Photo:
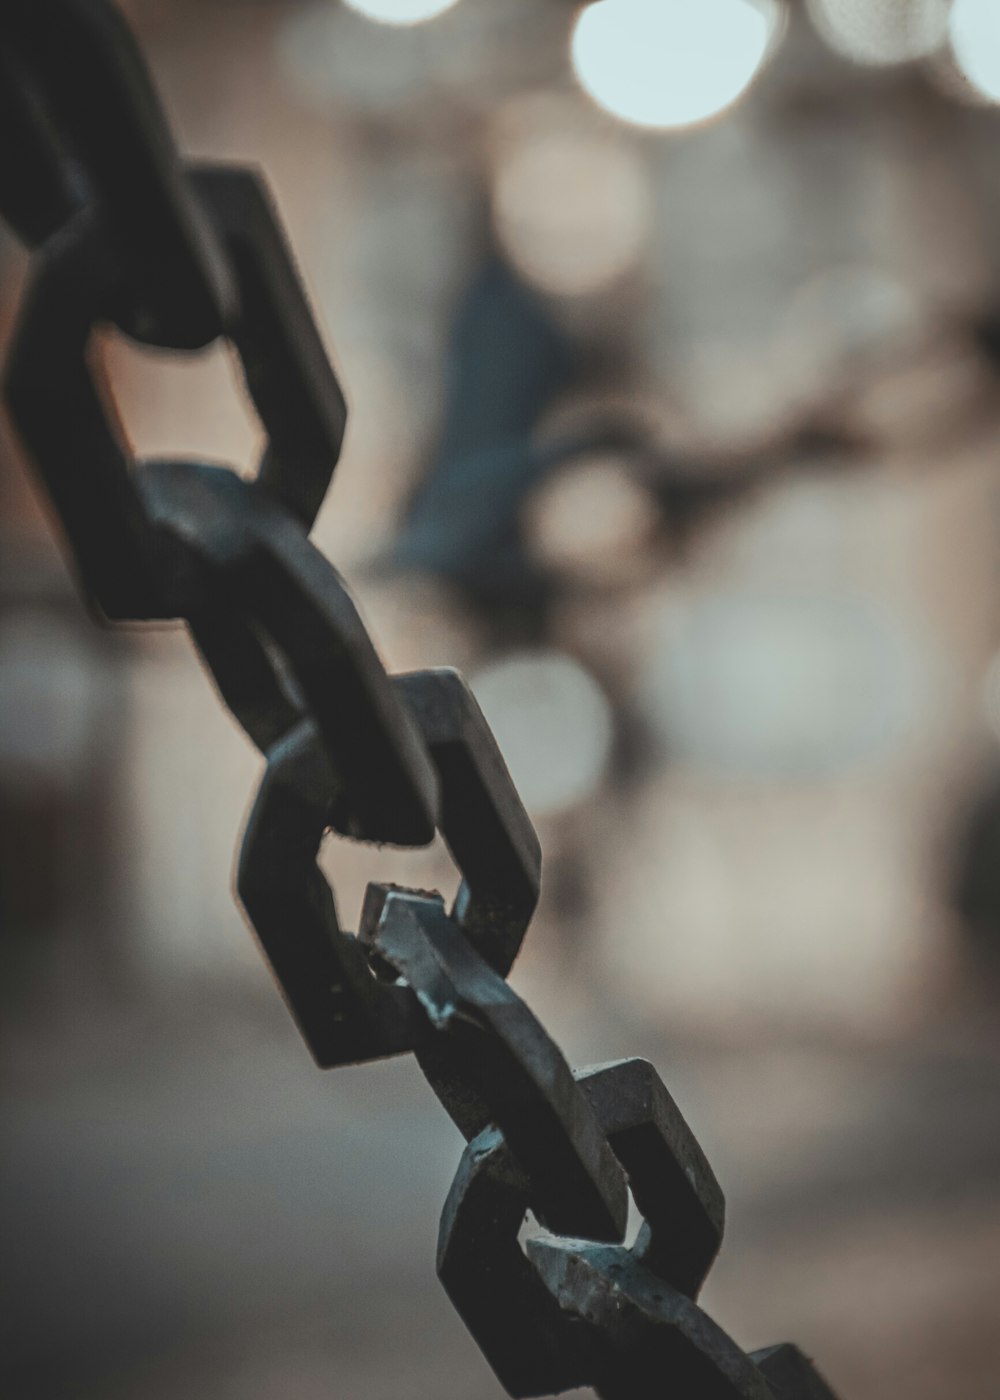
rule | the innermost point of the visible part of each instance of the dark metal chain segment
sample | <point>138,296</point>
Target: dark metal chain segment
<point>176,255</point>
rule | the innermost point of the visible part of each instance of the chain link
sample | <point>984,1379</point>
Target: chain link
<point>175,255</point>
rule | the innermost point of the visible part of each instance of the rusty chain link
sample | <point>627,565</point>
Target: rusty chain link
<point>177,255</point>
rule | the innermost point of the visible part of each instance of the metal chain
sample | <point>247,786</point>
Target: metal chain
<point>177,255</point>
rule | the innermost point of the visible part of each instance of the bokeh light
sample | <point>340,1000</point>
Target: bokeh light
<point>924,402</point>
<point>845,320</point>
<point>974,30</point>
<point>553,724</point>
<point>881,32</point>
<point>772,686</point>
<point>571,204</point>
<point>329,56</point>
<point>400,11</point>
<point>736,397</point>
<point>671,63</point>
<point>854,309</point>
<point>593,521</point>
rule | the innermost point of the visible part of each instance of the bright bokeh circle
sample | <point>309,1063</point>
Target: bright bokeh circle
<point>974,30</point>
<point>881,33</point>
<point>553,723</point>
<point>670,63</point>
<point>572,208</point>
<point>400,11</point>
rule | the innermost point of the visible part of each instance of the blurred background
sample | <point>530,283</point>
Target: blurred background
<point>670,331</point>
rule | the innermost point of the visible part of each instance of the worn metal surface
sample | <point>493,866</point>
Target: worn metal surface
<point>534,1346</point>
<point>176,256</point>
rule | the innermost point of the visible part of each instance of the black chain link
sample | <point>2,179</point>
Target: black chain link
<point>177,256</point>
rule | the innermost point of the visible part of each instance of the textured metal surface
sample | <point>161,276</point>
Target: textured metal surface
<point>492,1062</point>
<point>642,1331</point>
<point>534,1346</point>
<point>483,821</point>
<point>177,256</point>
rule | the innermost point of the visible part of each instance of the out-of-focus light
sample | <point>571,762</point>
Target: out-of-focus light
<point>844,319</point>
<point>882,32</point>
<point>670,63</point>
<point>553,724</point>
<point>923,402</point>
<point>858,308</point>
<point>593,521</point>
<point>329,54</point>
<point>974,30</point>
<point>400,11</point>
<point>571,205</point>
<point>784,687</point>
<point>735,398</point>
